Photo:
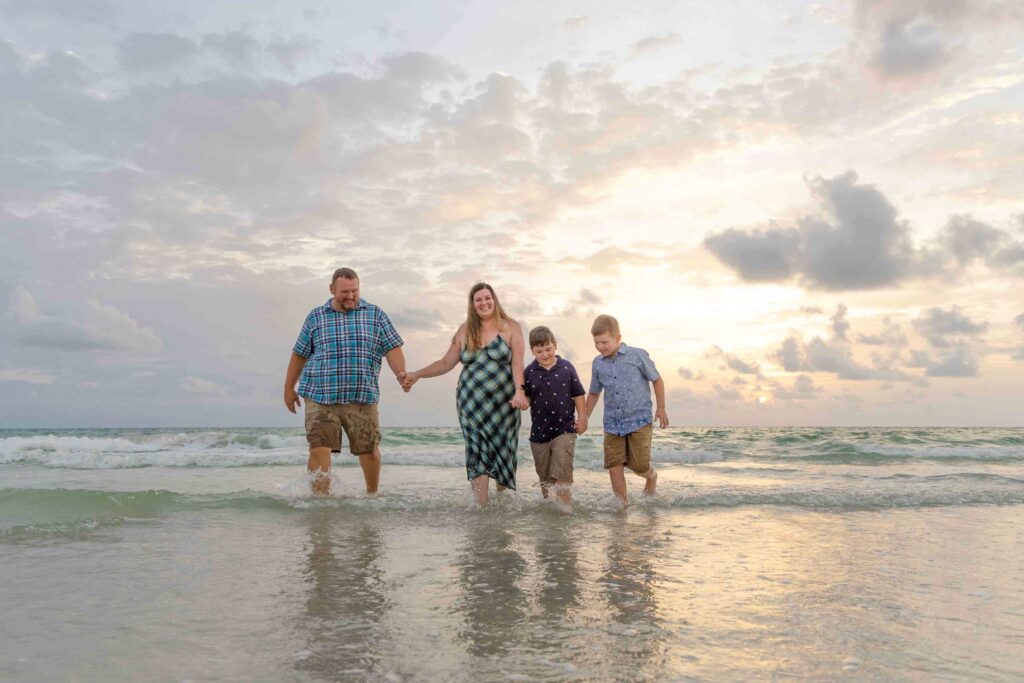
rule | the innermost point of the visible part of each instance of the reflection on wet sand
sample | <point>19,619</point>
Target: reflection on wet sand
<point>631,589</point>
<point>492,603</point>
<point>347,600</point>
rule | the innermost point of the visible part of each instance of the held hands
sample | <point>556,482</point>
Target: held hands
<point>581,424</point>
<point>291,399</point>
<point>519,400</point>
<point>407,379</point>
<point>662,417</point>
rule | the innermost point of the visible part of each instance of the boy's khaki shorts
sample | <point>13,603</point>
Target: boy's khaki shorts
<point>553,459</point>
<point>324,424</point>
<point>632,450</point>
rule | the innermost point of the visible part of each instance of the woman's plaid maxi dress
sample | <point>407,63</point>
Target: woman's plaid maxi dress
<point>490,425</point>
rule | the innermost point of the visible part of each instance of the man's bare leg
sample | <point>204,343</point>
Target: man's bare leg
<point>370,463</point>
<point>480,485</point>
<point>320,463</point>
<point>652,481</point>
<point>618,477</point>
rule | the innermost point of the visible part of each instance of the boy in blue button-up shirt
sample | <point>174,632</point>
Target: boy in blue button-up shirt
<point>625,373</point>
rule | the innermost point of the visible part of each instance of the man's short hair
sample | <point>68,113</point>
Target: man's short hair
<point>605,324</point>
<point>540,336</point>
<point>346,273</point>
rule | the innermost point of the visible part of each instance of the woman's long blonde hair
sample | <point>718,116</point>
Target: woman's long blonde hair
<point>473,323</point>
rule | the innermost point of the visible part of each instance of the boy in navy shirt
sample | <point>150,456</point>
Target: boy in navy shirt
<point>555,393</point>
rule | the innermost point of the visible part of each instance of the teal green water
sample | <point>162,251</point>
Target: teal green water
<point>873,554</point>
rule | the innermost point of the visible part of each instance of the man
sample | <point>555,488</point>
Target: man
<point>336,361</point>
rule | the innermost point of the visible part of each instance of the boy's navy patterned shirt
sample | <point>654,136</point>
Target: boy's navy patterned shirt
<point>551,393</point>
<point>344,352</point>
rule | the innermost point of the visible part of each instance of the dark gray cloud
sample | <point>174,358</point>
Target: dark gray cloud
<point>966,239</point>
<point>958,362</point>
<point>946,327</point>
<point>919,38</point>
<point>764,256</point>
<point>687,373</point>
<point>908,47</point>
<point>855,242</point>
<point>836,354</point>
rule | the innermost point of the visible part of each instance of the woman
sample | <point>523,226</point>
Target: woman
<point>490,395</point>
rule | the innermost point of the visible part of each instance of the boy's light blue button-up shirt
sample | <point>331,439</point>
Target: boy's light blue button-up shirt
<point>625,379</point>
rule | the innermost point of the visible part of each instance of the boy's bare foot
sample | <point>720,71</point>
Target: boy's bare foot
<point>651,487</point>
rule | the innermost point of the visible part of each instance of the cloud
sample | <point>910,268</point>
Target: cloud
<point>802,389</point>
<point>89,326</point>
<point>909,47</point>
<point>726,393</point>
<point>142,51</point>
<point>1019,320</point>
<point>686,373</point>
<point>655,43</point>
<point>834,355</point>
<point>959,362</point>
<point>919,38</point>
<point>203,387</point>
<point>890,335</point>
<point>855,242</point>
<point>27,375</point>
<point>945,327</point>
<point>740,365</point>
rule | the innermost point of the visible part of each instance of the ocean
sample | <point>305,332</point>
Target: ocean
<point>803,553</point>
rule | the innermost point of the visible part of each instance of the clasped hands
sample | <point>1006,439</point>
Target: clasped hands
<point>407,379</point>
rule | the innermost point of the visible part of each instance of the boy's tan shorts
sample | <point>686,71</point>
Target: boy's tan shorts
<point>324,424</point>
<point>632,450</point>
<point>553,459</point>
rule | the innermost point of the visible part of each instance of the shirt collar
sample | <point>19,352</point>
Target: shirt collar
<point>361,306</point>
<point>537,365</point>
<point>618,352</point>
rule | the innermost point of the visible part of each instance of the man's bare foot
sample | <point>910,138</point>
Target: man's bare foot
<point>651,487</point>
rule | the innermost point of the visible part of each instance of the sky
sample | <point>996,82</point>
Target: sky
<point>808,213</point>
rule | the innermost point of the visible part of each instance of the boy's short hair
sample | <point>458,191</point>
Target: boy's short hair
<point>605,324</point>
<point>539,336</point>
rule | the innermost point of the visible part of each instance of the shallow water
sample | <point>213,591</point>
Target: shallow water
<point>816,554</point>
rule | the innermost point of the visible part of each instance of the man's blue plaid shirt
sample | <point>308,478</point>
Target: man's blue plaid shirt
<point>344,352</point>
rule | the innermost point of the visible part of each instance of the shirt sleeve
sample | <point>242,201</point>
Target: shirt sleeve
<point>527,385</point>
<point>304,344</point>
<point>387,334</point>
<point>575,385</point>
<point>647,367</point>
<point>595,382</point>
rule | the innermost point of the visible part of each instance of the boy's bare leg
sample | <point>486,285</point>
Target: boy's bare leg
<point>480,485</point>
<point>320,462</point>
<point>618,477</point>
<point>652,481</point>
<point>563,490</point>
<point>370,463</point>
